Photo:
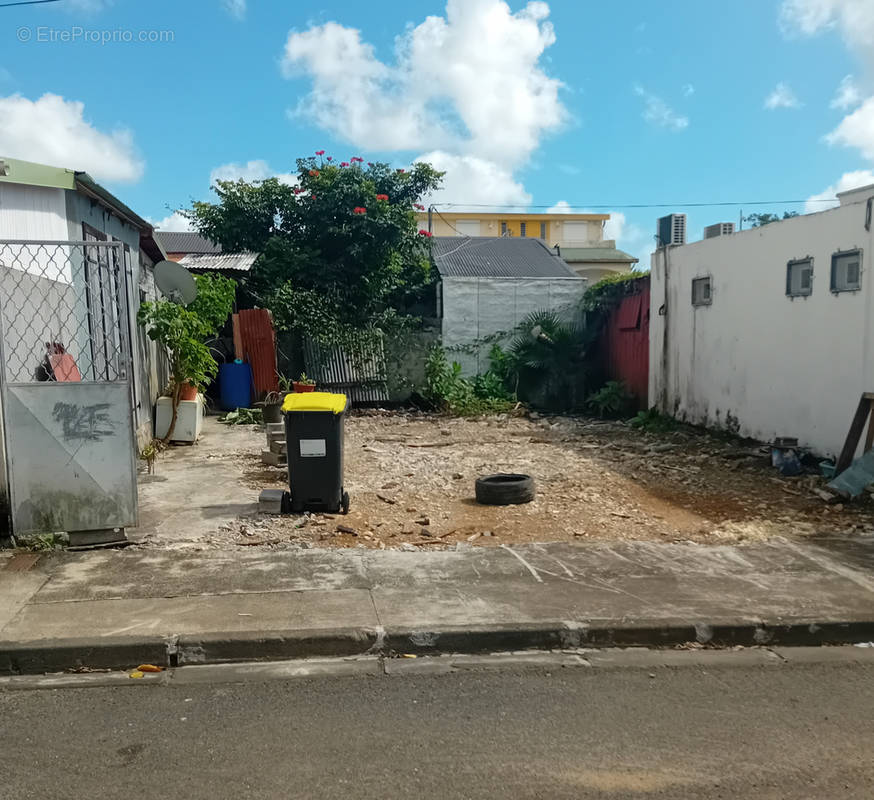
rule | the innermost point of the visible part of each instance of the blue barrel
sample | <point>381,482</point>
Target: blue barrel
<point>235,386</point>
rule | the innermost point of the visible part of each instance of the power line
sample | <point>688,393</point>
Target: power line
<point>639,205</point>
<point>28,3</point>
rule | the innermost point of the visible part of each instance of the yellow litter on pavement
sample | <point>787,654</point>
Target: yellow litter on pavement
<point>315,401</point>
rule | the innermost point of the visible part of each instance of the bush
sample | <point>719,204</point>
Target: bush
<point>653,422</point>
<point>449,391</point>
<point>611,400</point>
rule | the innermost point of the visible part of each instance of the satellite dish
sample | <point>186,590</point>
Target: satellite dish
<point>175,282</point>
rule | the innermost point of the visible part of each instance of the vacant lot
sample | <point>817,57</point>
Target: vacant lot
<point>411,477</point>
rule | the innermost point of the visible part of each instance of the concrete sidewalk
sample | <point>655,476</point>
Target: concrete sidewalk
<point>116,609</point>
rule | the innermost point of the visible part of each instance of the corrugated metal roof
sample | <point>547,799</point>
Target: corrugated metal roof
<point>239,262</point>
<point>610,254</point>
<point>186,242</point>
<point>496,257</point>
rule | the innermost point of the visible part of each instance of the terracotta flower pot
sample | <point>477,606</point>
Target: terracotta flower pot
<point>304,387</point>
<point>188,392</point>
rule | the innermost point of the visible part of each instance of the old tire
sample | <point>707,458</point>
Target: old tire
<point>504,489</point>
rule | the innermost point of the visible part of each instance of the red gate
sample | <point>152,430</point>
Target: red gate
<point>624,345</point>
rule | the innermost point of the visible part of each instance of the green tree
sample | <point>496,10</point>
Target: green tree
<point>757,220</point>
<point>339,251</point>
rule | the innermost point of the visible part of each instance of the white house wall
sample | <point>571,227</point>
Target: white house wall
<point>756,361</point>
<point>477,308</point>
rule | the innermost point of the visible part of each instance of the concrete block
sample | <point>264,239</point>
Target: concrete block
<point>276,429</point>
<point>273,501</point>
<point>273,459</point>
<point>280,447</point>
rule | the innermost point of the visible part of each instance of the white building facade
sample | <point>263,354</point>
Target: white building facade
<point>770,331</point>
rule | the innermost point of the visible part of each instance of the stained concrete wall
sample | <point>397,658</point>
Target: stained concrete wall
<point>477,308</point>
<point>756,361</point>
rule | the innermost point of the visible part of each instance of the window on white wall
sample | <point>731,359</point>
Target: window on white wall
<point>542,230</point>
<point>799,277</point>
<point>701,292</point>
<point>523,229</point>
<point>847,271</point>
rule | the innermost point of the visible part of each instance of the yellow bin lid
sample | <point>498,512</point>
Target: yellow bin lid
<point>315,401</point>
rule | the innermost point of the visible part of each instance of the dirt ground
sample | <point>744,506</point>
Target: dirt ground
<point>411,477</point>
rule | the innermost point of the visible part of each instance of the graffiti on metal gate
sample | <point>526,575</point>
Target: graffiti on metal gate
<point>91,423</point>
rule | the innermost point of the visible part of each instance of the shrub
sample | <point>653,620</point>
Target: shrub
<point>653,422</point>
<point>611,400</point>
<point>451,392</point>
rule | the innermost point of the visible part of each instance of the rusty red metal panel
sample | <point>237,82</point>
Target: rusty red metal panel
<point>624,343</point>
<point>259,348</point>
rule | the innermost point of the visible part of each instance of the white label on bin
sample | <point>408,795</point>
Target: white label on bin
<point>312,448</point>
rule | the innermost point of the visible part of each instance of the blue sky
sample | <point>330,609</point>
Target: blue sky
<point>526,104</point>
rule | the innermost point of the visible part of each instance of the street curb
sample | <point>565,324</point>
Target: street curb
<point>58,655</point>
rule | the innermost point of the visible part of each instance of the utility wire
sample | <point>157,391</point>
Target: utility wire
<point>27,3</point>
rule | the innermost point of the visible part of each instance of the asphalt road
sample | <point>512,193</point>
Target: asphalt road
<point>799,732</point>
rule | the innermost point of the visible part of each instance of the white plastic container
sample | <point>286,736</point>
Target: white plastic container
<point>188,422</point>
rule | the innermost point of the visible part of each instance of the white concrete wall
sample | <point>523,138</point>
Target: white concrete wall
<point>476,308</point>
<point>755,360</point>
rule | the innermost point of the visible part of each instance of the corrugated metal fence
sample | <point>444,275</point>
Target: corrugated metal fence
<point>259,348</point>
<point>624,345</point>
<point>358,371</point>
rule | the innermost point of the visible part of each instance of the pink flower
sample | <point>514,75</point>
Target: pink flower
<point>320,152</point>
<point>330,158</point>
<point>369,163</point>
<point>382,197</point>
<point>344,163</point>
<point>359,210</point>
<point>314,173</point>
<point>312,197</point>
<point>426,233</point>
<point>297,190</point>
<point>401,170</point>
<point>358,159</point>
<point>419,206</point>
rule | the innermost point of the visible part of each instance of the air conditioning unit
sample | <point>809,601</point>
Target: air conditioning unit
<point>671,230</point>
<point>719,229</point>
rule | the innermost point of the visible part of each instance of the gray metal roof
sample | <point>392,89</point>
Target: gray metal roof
<point>237,262</point>
<point>186,242</point>
<point>496,257</point>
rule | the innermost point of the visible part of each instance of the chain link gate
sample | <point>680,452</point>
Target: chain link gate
<point>65,386</point>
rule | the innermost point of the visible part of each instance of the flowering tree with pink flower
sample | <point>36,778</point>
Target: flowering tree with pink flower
<point>339,249</point>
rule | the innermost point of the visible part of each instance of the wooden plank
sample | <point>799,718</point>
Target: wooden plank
<point>863,411</point>
<point>869,437</point>
<point>238,338</point>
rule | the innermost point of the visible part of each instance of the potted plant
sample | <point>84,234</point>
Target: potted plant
<point>183,332</point>
<point>304,384</point>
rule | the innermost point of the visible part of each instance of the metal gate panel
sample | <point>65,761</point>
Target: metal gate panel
<point>65,384</point>
<point>69,447</point>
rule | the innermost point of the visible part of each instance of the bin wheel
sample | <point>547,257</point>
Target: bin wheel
<point>344,503</point>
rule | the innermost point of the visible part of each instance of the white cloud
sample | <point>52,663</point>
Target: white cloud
<point>236,8</point>
<point>847,181</point>
<point>854,19</point>
<point>657,112</point>
<point>782,97</point>
<point>857,130</point>
<point>688,90</point>
<point>175,222</point>
<point>54,130</point>
<point>848,94</point>
<point>255,170</point>
<point>491,102</point>
<point>473,180</point>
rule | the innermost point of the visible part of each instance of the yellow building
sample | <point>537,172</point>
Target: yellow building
<point>578,238</point>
